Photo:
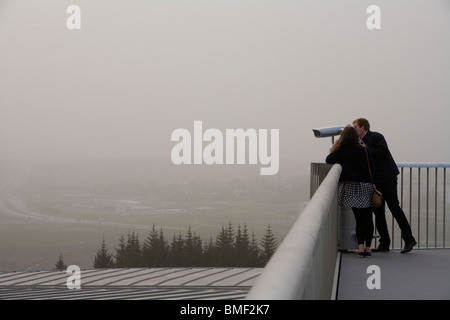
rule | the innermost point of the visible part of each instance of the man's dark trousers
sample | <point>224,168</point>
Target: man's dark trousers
<point>389,191</point>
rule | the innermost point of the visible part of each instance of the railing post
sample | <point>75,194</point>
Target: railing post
<point>419,202</point>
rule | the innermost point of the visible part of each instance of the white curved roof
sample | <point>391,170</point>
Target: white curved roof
<point>131,283</point>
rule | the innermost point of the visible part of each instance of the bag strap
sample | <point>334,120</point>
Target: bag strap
<point>368,164</point>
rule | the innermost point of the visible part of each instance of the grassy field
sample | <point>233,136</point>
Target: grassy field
<point>57,224</point>
<point>36,245</point>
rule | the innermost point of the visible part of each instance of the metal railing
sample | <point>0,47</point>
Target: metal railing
<point>303,267</point>
<point>422,189</point>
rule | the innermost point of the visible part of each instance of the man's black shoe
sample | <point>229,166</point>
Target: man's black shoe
<point>381,248</point>
<point>408,247</point>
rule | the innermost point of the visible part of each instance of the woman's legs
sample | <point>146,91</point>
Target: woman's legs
<point>364,228</point>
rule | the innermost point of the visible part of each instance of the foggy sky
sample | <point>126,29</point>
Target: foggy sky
<point>138,70</point>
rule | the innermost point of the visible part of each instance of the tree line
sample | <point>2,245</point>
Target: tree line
<point>231,248</point>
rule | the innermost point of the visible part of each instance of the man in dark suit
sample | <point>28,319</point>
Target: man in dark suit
<point>385,179</point>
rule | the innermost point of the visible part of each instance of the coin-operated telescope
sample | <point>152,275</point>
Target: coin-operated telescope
<point>328,132</point>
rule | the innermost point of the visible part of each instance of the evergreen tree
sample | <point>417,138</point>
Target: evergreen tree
<point>121,259</point>
<point>177,251</point>
<point>193,251</point>
<point>254,253</point>
<point>103,259</point>
<point>129,253</point>
<point>155,249</point>
<point>225,247</point>
<point>164,250</point>
<point>242,247</point>
<point>269,246</point>
<point>60,265</point>
<point>209,249</point>
<point>133,251</point>
<point>148,248</point>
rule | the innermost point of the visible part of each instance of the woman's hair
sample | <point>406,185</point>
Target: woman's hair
<point>348,137</point>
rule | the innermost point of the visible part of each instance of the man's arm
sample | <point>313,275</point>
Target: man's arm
<point>379,146</point>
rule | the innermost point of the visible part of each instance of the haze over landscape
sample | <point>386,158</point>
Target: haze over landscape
<point>90,112</point>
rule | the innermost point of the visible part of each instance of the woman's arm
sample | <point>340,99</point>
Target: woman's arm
<point>332,158</point>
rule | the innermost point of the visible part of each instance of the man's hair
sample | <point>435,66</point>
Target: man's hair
<point>363,123</point>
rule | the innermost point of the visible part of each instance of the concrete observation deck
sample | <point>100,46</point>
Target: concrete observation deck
<point>422,274</point>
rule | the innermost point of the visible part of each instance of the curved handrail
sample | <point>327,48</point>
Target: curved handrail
<point>285,276</point>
